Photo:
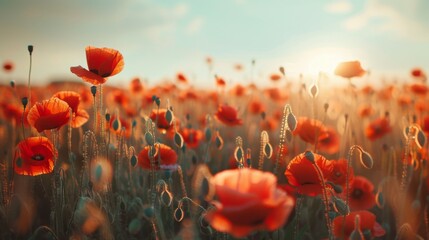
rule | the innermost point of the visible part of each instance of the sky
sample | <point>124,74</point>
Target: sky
<point>159,38</point>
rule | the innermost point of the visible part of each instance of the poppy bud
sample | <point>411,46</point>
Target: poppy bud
<point>309,156</point>
<point>178,140</point>
<point>30,49</point>
<point>134,226</point>
<point>219,141</point>
<point>93,90</point>
<point>341,206</point>
<point>107,116</point>
<point>12,84</point>
<point>133,160</point>
<point>282,70</point>
<point>314,91</point>
<point>24,101</point>
<point>366,160</point>
<point>291,121</point>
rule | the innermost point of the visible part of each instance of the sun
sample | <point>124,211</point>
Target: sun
<point>324,60</point>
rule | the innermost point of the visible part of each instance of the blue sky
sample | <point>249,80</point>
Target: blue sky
<point>161,37</point>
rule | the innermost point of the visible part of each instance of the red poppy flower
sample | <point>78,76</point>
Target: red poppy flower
<point>349,69</point>
<point>256,107</point>
<point>49,114</point>
<point>301,174</point>
<point>275,94</point>
<point>378,128</point>
<point>220,82</point>
<point>180,77</point>
<point>269,124</point>
<point>310,130</point>
<point>361,196</point>
<point>365,111</point>
<point>238,90</point>
<point>119,97</point>
<point>8,66</point>
<point>136,86</point>
<point>329,141</point>
<point>121,124</point>
<point>419,88</point>
<point>367,222</point>
<point>339,172</point>
<point>166,155</point>
<point>13,112</point>
<point>275,77</point>
<point>425,125</point>
<point>80,116</point>
<point>35,156</point>
<point>158,116</point>
<point>228,115</point>
<point>102,63</point>
<point>192,137</point>
<point>248,201</point>
<point>417,73</point>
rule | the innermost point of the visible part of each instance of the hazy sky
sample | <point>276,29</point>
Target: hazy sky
<point>161,37</point>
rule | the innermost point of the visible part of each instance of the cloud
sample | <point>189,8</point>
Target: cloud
<point>391,17</point>
<point>339,7</point>
<point>195,25</point>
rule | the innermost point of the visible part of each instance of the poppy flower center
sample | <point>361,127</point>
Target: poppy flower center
<point>38,157</point>
<point>357,193</point>
<point>338,174</point>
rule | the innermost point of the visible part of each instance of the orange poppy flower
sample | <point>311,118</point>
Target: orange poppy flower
<point>49,114</point>
<point>404,100</point>
<point>35,156</point>
<point>361,196</point>
<point>378,128</point>
<point>419,88</point>
<point>119,97</point>
<point>275,77</point>
<point>365,110</point>
<point>275,94</point>
<point>136,86</point>
<point>80,116</point>
<point>192,137</point>
<point>238,90</point>
<point>349,69</point>
<point>269,124</point>
<point>248,200</point>
<point>329,141</point>
<point>164,157</point>
<point>367,90</point>
<point>220,82</point>
<point>310,130</point>
<point>339,172</point>
<point>256,107</point>
<point>13,112</point>
<point>102,63</point>
<point>301,174</point>
<point>8,66</point>
<point>180,77</point>
<point>228,115</point>
<point>367,222</point>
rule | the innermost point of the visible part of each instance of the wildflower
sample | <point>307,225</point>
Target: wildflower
<point>159,116</point>
<point>80,116</point>
<point>339,172</point>
<point>256,107</point>
<point>136,86</point>
<point>310,130</point>
<point>191,136</point>
<point>301,174</point>
<point>13,112</point>
<point>49,114</point>
<point>248,201</point>
<point>275,77</point>
<point>329,141</point>
<point>361,196</point>
<point>8,66</point>
<point>228,115</point>
<point>180,77</point>
<point>349,69</point>
<point>35,156</point>
<point>365,110</point>
<point>163,157</point>
<point>102,63</point>
<point>343,230</point>
<point>378,128</point>
<point>419,89</point>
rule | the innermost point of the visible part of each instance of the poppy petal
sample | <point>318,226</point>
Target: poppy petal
<point>87,76</point>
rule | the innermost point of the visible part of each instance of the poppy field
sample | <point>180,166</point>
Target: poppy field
<point>287,158</point>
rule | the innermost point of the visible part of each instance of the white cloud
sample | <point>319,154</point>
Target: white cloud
<point>195,25</point>
<point>391,17</point>
<point>339,6</point>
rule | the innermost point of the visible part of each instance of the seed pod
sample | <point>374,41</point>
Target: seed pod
<point>366,160</point>
<point>178,140</point>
